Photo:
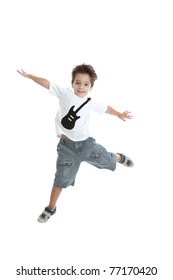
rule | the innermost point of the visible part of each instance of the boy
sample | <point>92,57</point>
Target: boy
<point>71,123</point>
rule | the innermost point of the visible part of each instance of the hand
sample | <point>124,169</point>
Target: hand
<point>125,115</point>
<point>23,73</point>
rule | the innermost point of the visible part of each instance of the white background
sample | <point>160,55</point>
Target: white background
<point>121,218</point>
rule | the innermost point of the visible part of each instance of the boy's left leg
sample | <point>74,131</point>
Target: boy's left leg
<point>97,155</point>
<point>124,160</point>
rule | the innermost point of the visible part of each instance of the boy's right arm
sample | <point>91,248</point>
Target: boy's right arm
<point>41,81</point>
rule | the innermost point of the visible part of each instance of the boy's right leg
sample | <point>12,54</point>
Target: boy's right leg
<point>51,208</point>
<point>67,166</point>
<point>55,193</point>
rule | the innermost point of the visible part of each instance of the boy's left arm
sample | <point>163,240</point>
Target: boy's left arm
<point>123,116</point>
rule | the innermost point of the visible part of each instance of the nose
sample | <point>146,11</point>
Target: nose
<point>81,86</point>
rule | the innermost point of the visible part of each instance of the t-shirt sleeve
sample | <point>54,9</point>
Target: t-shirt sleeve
<point>55,90</point>
<point>99,107</point>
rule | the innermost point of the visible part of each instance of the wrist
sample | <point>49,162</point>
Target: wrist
<point>118,114</point>
<point>29,76</point>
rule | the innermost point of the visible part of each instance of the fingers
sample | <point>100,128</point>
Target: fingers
<point>127,112</point>
<point>126,115</point>
<point>22,72</point>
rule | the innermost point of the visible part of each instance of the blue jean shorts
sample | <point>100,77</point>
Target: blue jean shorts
<point>71,154</point>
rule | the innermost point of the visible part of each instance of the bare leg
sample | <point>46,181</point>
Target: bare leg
<point>118,157</point>
<point>124,160</point>
<point>51,209</point>
<point>54,196</point>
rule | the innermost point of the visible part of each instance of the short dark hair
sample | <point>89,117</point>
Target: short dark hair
<point>84,69</point>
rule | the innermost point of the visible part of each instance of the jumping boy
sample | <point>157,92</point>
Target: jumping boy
<point>75,144</point>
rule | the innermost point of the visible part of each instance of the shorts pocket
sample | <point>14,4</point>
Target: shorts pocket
<point>96,153</point>
<point>64,169</point>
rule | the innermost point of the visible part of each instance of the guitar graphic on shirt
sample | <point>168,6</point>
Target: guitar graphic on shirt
<point>70,119</point>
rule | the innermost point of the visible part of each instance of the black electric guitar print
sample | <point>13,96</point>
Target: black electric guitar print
<point>70,119</point>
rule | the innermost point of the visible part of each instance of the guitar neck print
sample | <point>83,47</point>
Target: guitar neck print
<point>70,119</point>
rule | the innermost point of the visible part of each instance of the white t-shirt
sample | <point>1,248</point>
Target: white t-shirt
<point>67,121</point>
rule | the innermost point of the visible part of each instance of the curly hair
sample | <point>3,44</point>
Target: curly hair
<point>84,69</point>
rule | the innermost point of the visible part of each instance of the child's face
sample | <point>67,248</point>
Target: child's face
<point>81,84</point>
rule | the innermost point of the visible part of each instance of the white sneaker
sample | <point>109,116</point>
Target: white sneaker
<point>126,161</point>
<point>47,213</point>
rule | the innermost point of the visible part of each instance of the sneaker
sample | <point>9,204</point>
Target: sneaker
<point>47,213</point>
<point>126,161</point>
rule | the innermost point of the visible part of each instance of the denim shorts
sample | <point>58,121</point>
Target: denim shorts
<point>71,154</point>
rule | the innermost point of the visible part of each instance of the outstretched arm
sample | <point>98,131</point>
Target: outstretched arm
<point>123,116</point>
<point>41,81</point>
